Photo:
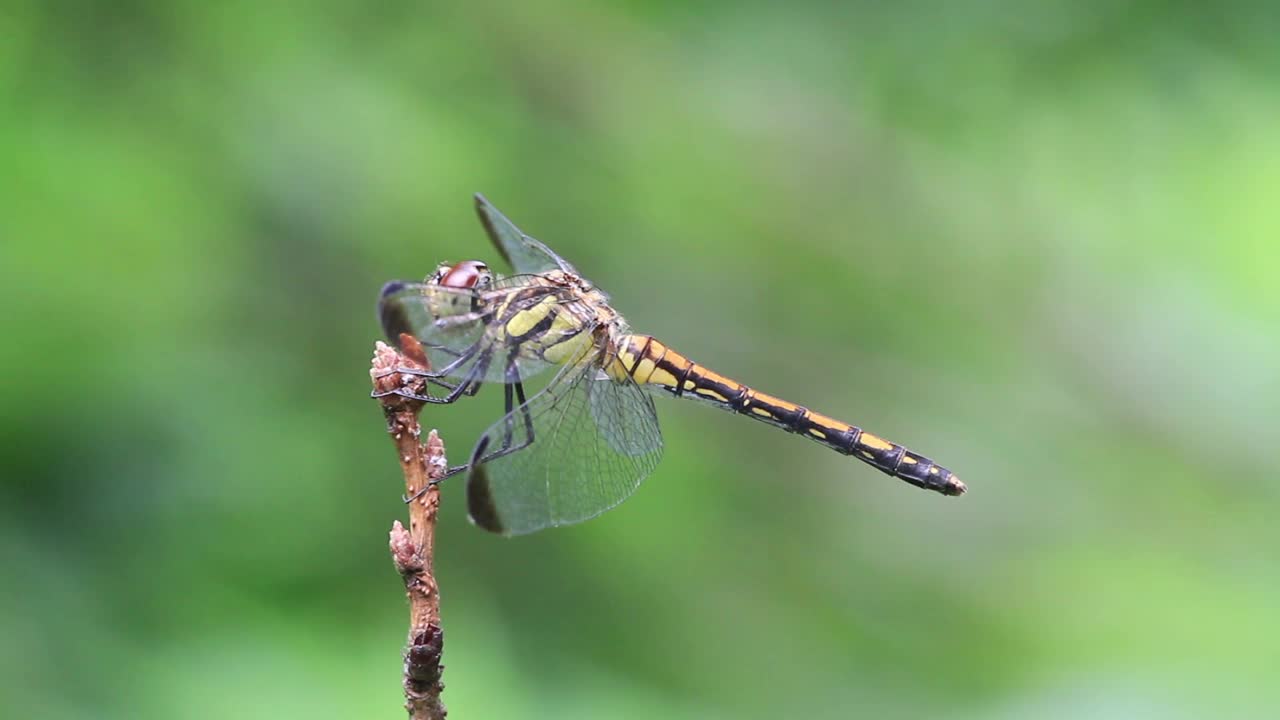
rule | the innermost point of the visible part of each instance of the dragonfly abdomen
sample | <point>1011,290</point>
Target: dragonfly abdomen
<point>650,362</point>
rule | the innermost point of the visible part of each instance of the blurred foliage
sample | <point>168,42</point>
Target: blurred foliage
<point>1038,244</point>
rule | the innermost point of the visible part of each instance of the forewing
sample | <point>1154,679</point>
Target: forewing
<point>458,329</point>
<point>441,318</point>
<point>523,253</point>
<point>584,446</point>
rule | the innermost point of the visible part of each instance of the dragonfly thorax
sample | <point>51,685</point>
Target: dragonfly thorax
<point>570,280</point>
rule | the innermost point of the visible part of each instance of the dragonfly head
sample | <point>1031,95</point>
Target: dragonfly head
<point>466,274</point>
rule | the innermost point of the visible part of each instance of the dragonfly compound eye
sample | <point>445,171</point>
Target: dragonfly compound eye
<point>467,274</point>
<point>438,274</point>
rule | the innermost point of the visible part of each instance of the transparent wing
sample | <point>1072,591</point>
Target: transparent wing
<point>575,450</point>
<point>448,318</point>
<point>524,253</point>
<point>458,331</point>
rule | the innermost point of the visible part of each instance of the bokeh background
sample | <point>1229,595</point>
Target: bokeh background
<point>1038,244</point>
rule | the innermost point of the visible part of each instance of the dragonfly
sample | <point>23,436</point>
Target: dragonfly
<point>582,443</point>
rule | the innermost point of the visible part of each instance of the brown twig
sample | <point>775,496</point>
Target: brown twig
<point>411,550</point>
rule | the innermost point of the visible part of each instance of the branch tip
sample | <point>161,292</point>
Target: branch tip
<point>412,548</point>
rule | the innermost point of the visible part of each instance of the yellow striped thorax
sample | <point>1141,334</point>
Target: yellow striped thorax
<point>551,328</point>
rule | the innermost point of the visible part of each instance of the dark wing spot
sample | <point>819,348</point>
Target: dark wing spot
<point>392,315</point>
<point>391,288</point>
<point>480,504</point>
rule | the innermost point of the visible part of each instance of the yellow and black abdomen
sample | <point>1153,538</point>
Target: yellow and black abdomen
<point>649,362</point>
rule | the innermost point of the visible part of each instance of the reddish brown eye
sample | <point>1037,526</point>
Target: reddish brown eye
<point>465,274</point>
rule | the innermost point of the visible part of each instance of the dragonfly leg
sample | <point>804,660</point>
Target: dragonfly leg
<point>469,386</point>
<point>513,382</point>
<point>478,456</point>
<point>469,391</point>
<point>484,445</point>
<point>514,400</point>
<point>435,375</point>
<point>432,483</point>
<point>524,412</point>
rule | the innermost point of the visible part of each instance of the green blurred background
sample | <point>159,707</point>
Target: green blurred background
<point>1039,245</point>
